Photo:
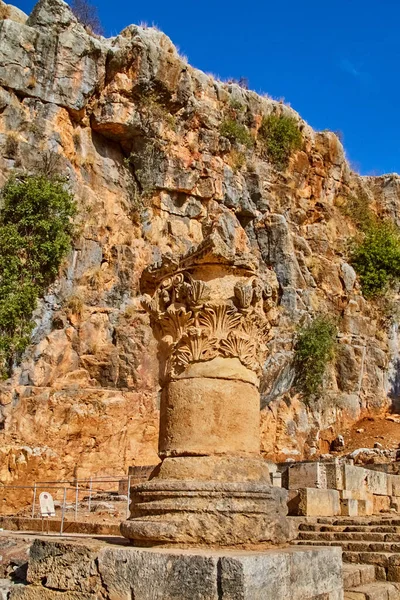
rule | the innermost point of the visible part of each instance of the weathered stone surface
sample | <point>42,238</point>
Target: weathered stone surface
<point>64,566</point>
<point>197,417</point>
<point>215,468</point>
<point>312,502</point>
<point>361,494</point>
<point>381,504</point>
<point>394,485</point>
<point>283,574</point>
<point>310,475</point>
<point>355,478</point>
<point>33,592</point>
<point>365,507</point>
<point>8,11</point>
<point>206,513</point>
<point>349,508</point>
<point>377,483</point>
<point>78,59</point>
<point>124,572</point>
<point>165,575</point>
<point>348,275</point>
<point>334,476</point>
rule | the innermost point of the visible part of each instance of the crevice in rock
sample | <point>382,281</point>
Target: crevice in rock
<point>104,586</point>
<point>220,591</point>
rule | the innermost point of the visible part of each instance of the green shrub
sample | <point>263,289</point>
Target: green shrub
<point>236,105</point>
<point>376,258</point>
<point>35,235</point>
<point>279,136</point>
<point>313,351</point>
<point>357,208</point>
<point>236,132</point>
<point>237,159</point>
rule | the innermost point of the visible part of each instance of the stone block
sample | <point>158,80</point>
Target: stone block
<point>349,508</point>
<point>355,478</point>
<point>312,502</point>
<point>317,572</point>
<point>34,592</point>
<point>64,565</point>
<point>272,467</point>
<point>381,504</point>
<point>309,475</point>
<point>393,573</point>
<point>334,476</point>
<point>395,503</point>
<point>377,483</point>
<point>124,572</point>
<point>169,574</point>
<point>394,485</point>
<point>365,508</point>
<point>311,574</point>
<point>355,495</point>
<point>276,479</point>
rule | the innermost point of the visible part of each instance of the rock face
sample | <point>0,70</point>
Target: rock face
<point>136,130</point>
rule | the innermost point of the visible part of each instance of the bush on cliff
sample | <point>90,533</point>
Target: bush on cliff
<point>314,349</point>
<point>236,132</point>
<point>376,258</point>
<point>279,137</point>
<point>357,207</point>
<point>35,235</point>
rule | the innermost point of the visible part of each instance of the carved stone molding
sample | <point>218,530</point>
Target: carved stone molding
<point>191,326</point>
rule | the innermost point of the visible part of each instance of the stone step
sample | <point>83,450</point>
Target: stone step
<point>355,528</point>
<point>355,575</point>
<point>359,521</point>
<point>348,536</point>
<point>354,546</point>
<point>382,560</point>
<point>380,590</point>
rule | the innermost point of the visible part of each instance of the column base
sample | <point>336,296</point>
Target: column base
<point>169,512</point>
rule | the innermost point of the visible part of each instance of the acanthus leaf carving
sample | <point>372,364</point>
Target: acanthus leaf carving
<point>194,328</point>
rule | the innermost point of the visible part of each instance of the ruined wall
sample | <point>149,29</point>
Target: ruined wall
<point>136,130</point>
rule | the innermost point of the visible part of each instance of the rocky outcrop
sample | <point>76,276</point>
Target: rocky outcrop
<point>136,130</point>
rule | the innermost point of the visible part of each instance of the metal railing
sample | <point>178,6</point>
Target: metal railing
<point>67,492</point>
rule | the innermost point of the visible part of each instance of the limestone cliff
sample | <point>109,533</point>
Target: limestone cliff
<point>137,132</point>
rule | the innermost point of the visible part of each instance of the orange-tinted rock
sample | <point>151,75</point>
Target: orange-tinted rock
<point>152,176</point>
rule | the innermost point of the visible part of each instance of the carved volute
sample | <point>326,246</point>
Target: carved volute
<point>191,326</point>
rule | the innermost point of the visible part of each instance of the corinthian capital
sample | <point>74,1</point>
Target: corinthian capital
<point>208,310</point>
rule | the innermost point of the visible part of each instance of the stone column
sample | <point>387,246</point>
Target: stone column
<point>209,312</point>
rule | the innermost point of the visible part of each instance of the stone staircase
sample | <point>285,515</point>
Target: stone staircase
<point>371,553</point>
<point>359,582</point>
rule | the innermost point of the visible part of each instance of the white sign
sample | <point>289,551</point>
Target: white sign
<point>47,505</point>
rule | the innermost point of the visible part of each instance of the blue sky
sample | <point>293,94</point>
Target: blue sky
<point>336,63</point>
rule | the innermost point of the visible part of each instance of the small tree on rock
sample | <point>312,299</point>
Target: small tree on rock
<point>87,14</point>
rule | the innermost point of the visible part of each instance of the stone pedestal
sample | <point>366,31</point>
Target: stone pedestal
<point>91,570</point>
<point>210,513</point>
<point>211,314</point>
